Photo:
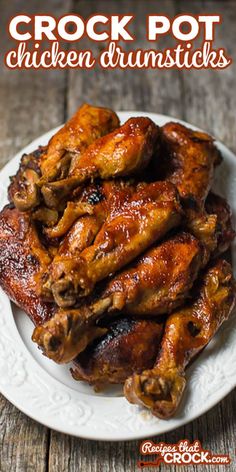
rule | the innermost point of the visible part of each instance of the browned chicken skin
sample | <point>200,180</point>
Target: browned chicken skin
<point>131,147</point>
<point>128,346</point>
<point>97,200</point>
<point>101,356</point>
<point>124,152</point>
<point>97,361</point>
<point>23,190</point>
<point>159,282</point>
<point>22,261</point>
<point>143,219</point>
<point>212,226</point>
<point>87,125</point>
<point>187,331</point>
<point>104,198</point>
<point>12,222</point>
<point>53,161</point>
<point>188,160</point>
<point>217,205</point>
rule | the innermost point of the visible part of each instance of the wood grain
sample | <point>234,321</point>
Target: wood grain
<point>34,101</point>
<point>31,102</point>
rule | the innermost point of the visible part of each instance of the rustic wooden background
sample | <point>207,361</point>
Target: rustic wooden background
<point>32,102</point>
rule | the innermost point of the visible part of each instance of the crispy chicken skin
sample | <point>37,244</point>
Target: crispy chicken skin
<point>128,346</point>
<point>188,160</point>
<point>87,125</point>
<point>187,331</point>
<point>159,282</point>
<point>22,260</point>
<point>145,218</point>
<point>124,152</point>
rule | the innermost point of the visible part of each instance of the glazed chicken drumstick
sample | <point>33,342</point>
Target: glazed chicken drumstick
<point>187,331</point>
<point>96,200</point>
<point>53,161</point>
<point>188,161</point>
<point>124,152</point>
<point>128,346</point>
<point>226,234</point>
<point>191,157</point>
<point>128,230</point>
<point>68,144</point>
<point>105,359</point>
<point>158,282</point>
<point>103,198</point>
<point>23,259</point>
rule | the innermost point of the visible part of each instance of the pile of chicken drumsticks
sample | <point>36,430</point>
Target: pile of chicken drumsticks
<point>112,244</point>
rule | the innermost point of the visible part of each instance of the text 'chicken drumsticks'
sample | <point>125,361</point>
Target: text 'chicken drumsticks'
<point>111,245</point>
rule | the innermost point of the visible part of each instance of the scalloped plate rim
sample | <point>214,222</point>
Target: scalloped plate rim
<point>83,430</point>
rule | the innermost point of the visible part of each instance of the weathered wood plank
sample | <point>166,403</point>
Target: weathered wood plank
<point>31,102</point>
<point>188,95</point>
<point>23,443</point>
<point>216,430</point>
<point>126,89</point>
<point>209,95</point>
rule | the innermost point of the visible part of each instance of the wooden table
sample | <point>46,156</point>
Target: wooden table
<point>32,102</point>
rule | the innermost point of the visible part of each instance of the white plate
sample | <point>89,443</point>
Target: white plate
<point>47,393</point>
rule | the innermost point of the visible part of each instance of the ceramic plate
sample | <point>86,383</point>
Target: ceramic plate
<point>46,391</point>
